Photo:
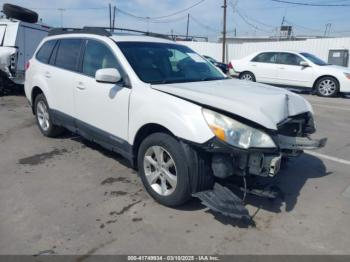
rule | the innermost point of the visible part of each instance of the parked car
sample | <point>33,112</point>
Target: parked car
<point>296,69</point>
<point>166,109</point>
<point>223,67</point>
<point>20,35</point>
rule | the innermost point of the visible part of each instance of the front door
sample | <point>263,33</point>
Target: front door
<point>290,72</point>
<point>101,108</point>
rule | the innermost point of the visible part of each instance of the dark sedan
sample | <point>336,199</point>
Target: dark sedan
<point>222,66</point>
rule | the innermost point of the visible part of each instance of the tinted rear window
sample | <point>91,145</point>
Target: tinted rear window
<point>45,51</point>
<point>68,53</point>
<point>265,58</point>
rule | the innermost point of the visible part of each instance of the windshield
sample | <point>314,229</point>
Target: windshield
<point>314,59</point>
<point>160,63</point>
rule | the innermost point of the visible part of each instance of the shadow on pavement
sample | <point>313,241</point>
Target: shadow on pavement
<point>289,182</point>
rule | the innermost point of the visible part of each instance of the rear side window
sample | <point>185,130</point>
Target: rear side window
<point>97,56</point>
<point>45,51</point>
<point>68,54</point>
<point>269,57</point>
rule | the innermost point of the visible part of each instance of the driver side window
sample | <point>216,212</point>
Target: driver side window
<point>97,56</point>
<point>289,59</point>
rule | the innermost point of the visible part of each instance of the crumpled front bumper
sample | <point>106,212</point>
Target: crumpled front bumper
<point>228,160</point>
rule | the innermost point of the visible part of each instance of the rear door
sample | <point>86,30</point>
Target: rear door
<point>263,66</point>
<point>101,108</point>
<point>62,78</point>
<point>290,72</point>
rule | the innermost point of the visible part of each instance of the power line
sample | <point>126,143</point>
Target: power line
<point>125,12</point>
<point>204,25</point>
<point>180,11</point>
<point>309,4</point>
<point>251,24</point>
<point>160,17</point>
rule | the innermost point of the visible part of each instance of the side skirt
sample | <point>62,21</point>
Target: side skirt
<point>94,134</point>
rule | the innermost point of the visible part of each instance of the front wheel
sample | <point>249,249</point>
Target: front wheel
<point>248,76</point>
<point>163,169</point>
<point>327,87</point>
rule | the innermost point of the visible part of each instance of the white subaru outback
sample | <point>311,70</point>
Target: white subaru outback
<point>177,119</point>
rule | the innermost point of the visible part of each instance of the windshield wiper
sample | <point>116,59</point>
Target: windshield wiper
<point>213,78</point>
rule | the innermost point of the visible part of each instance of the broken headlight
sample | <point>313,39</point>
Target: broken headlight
<point>236,133</point>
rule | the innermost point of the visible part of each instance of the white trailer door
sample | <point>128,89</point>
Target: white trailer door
<point>2,33</point>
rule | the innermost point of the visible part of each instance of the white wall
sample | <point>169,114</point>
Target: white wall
<point>319,47</point>
<point>213,50</point>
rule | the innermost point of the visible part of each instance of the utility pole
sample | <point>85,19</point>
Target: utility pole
<point>282,23</point>
<point>110,16</point>
<point>113,22</point>
<point>188,25</point>
<point>61,14</point>
<point>328,29</point>
<point>224,33</point>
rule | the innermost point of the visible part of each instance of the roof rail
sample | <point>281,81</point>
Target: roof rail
<point>84,30</point>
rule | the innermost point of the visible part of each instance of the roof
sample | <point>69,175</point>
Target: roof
<point>103,32</point>
<point>139,38</point>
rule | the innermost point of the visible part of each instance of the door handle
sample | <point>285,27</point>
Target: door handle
<point>281,68</point>
<point>80,86</point>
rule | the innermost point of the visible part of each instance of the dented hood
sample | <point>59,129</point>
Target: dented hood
<point>263,104</point>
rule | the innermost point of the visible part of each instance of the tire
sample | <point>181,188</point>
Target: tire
<point>248,76</point>
<point>20,13</point>
<point>327,87</point>
<point>185,176</point>
<point>176,193</point>
<point>43,114</point>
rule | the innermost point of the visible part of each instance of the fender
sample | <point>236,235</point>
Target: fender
<point>183,118</point>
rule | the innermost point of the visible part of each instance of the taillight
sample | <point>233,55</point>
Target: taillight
<point>27,66</point>
<point>230,65</point>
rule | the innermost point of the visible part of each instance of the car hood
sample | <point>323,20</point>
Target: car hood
<point>263,104</point>
<point>335,69</point>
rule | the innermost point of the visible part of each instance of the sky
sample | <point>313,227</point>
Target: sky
<point>246,17</point>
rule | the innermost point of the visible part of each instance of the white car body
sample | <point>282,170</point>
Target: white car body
<point>19,40</point>
<point>290,75</point>
<point>118,115</point>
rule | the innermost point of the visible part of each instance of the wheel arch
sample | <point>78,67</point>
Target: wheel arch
<point>145,131</point>
<point>323,76</point>
<point>246,71</point>
<point>35,92</point>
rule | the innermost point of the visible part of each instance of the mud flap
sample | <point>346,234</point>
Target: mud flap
<point>223,200</point>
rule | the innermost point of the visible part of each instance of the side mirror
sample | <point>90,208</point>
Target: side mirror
<point>108,75</point>
<point>304,64</point>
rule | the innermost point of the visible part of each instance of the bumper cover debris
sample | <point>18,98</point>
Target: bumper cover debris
<point>221,199</point>
<point>300,143</point>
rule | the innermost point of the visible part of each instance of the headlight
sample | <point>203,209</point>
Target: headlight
<point>236,133</point>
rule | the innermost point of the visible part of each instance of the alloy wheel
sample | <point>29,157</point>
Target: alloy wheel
<point>43,116</point>
<point>160,170</point>
<point>327,87</point>
<point>247,77</point>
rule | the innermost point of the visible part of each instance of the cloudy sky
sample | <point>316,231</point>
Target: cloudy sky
<point>248,17</point>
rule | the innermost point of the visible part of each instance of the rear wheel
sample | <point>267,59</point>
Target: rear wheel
<point>248,76</point>
<point>44,119</point>
<point>327,87</point>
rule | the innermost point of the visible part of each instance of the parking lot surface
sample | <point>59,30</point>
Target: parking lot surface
<point>70,196</point>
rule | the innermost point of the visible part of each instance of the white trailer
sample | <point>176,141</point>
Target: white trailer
<point>18,42</point>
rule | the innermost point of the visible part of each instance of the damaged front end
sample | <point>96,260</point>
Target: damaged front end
<point>227,160</point>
